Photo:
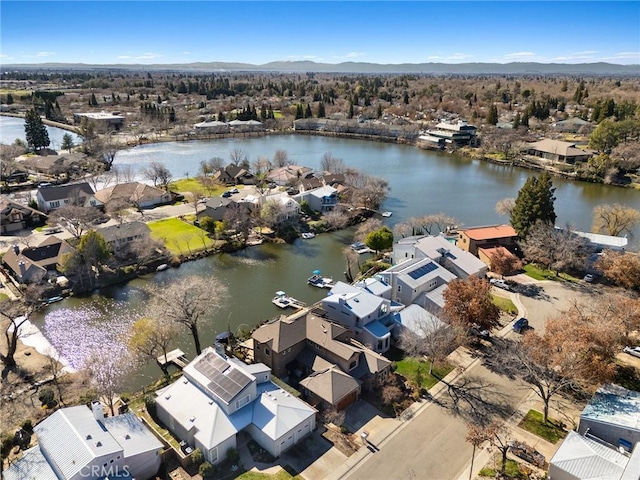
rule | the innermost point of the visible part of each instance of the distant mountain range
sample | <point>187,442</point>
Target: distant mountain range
<point>515,68</point>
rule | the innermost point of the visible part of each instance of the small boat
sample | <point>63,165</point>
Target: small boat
<point>319,281</point>
<point>360,247</point>
<point>386,214</point>
<point>51,300</point>
<point>307,235</point>
<point>162,267</point>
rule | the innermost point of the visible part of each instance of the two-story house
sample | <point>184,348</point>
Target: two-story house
<point>217,397</point>
<point>364,313</point>
<point>57,196</point>
<point>118,236</point>
<point>15,217</point>
<point>420,280</point>
<point>476,238</point>
<point>34,264</point>
<point>322,199</point>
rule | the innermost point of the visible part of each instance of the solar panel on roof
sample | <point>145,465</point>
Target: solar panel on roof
<point>224,381</point>
<point>423,270</point>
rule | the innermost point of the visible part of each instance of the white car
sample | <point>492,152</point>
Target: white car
<point>497,282</point>
<point>635,351</point>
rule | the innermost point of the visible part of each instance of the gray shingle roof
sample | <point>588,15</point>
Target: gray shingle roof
<point>59,192</point>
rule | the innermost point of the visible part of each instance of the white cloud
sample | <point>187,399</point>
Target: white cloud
<point>520,55</point>
<point>313,58</point>
<point>45,54</point>
<point>124,56</point>
<point>452,57</point>
<point>148,56</point>
<point>186,53</point>
<point>635,55</point>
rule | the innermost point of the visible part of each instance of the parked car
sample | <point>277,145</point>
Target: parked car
<point>478,331</point>
<point>635,351</point>
<point>589,277</point>
<point>497,282</point>
<point>226,194</point>
<point>234,190</point>
<point>521,325</point>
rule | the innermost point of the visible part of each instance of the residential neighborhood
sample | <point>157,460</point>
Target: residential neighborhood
<point>320,267</point>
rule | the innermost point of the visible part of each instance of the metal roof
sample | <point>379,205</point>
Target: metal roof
<point>129,431</point>
<point>614,405</point>
<point>73,438</point>
<point>277,412</point>
<point>60,192</point>
<point>435,246</point>
<point>32,466</point>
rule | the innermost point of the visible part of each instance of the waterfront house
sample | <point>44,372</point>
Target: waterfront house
<point>212,126</point>
<point>474,238</point>
<point>54,164</point>
<point>57,196</point>
<point>454,134</point>
<point>77,443</point>
<point>287,207</point>
<point>121,235</point>
<point>246,126</point>
<point>289,174</point>
<point>600,241</point>
<point>15,217</point>
<point>420,281</point>
<point>573,125</point>
<point>233,174</point>
<point>136,194</point>
<point>558,151</point>
<point>438,248</point>
<point>367,315</point>
<point>34,264</point>
<point>322,199</point>
<point>309,343</point>
<point>217,397</point>
<point>215,208</point>
<point>102,120</point>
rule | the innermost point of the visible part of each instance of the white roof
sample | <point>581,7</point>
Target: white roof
<point>436,246</point>
<point>360,302</point>
<point>419,321</point>
<point>587,459</point>
<point>610,241</point>
<point>614,405</point>
<point>411,272</point>
<point>321,192</point>
<point>193,409</point>
<point>211,123</point>
<point>72,437</point>
<point>374,286</point>
<point>32,466</point>
<point>100,115</point>
<point>129,431</point>
<point>276,412</point>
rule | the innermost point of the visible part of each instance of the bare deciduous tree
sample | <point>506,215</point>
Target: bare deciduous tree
<point>14,315</point>
<point>621,268</point>
<point>159,174</point>
<point>332,164</point>
<point>554,248</point>
<point>77,220</point>
<point>280,158</point>
<point>469,302</point>
<point>188,303</point>
<point>615,219</point>
<point>505,206</point>
<point>151,337</point>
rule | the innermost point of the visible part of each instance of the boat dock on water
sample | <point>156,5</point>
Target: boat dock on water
<point>319,281</point>
<point>360,248</point>
<point>282,300</point>
<point>176,357</point>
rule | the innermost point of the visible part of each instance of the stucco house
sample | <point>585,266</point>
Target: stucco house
<point>233,174</point>
<point>211,126</point>
<point>135,194</point>
<point>287,207</point>
<point>289,174</point>
<point>102,120</point>
<point>57,196</point>
<point>217,397</point>
<point>15,217</point>
<point>471,239</point>
<point>79,443</point>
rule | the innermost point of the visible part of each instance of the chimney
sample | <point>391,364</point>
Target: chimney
<point>23,270</point>
<point>98,413</point>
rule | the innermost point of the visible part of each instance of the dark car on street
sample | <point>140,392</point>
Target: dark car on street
<point>521,325</point>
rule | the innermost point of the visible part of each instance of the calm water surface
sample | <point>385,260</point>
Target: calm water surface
<point>12,128</point>
<point>421,182</point>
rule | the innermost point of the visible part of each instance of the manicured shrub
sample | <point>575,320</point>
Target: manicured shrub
<point>27,425</point>
<point>150,404</point>
<point>233,455</point>
<point>197,458</point>
<point>206,470</point>
<point>46,396</point>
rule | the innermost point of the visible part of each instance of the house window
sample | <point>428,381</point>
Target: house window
<point>399,288</point>
<point>267,352</point>
<point>242,402</point>
<point>92,202</point>
<point>55,204</point>
<point>66,201</point>
<point>213,455</point>
<point>353,365</point>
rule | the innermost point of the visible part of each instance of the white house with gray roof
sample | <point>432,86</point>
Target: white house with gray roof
<point>57,196</point>
<point>367,315</point>
<point>77,443</point>
<point>436,247</point>
<point>420,280</point>
<point>218,397</point>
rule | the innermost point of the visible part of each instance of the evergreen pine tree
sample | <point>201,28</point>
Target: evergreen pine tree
<point>492,115</point>
<point>379,112</point>
<point>517,120</point>
<point>350,115</point>
<point>9,99</point>
<point>67,142</point>
<point>534,203</point>
<point>321,111</point>
<point>307,112</point>
<point>35,131</point>
<point>299,111</point>
<point>94,100</point>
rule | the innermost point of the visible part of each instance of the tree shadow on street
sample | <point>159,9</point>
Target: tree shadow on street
<point>476,400</point>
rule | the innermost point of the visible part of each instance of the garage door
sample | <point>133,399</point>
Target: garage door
<point>286,442</point>
<point>303,430</point>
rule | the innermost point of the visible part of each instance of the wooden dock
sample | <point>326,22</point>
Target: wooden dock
<point>174,357</point>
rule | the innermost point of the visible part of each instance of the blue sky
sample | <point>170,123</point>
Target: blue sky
<point>330,32</point>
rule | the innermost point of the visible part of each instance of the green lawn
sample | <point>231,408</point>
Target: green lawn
<point>410,366</point>
<point>540,273</point>
<point>551,431</point>
<point>504,304</point>
<point>511,470</point>
<point>281,475</point>
<point>180,237</point>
